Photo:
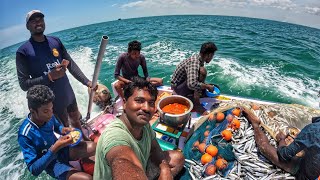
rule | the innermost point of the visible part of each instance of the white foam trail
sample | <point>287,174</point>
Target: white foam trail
<point>302,89</point>
<point>112,55</point>
<point>85,59</point>
<point>165,53</point>
<point>12,98</point>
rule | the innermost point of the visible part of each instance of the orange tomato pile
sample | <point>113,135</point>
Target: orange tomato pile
<point>175,108</point>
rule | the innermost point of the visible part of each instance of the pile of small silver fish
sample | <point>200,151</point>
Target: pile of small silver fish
<point>250,163</point>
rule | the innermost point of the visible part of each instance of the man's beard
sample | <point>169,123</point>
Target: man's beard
<point>38,33</point>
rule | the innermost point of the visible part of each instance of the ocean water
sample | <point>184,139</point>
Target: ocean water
<point>256,58</point>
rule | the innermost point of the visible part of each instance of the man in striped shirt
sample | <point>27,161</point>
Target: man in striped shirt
<point>185,80</point>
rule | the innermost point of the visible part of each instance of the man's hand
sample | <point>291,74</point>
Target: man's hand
<point>65,63</point>
<point>89,85</point>
<point>210,87</point>
<point>280,136</point>
<point>165,170</point>
<point>62,142</point>
<point>58,72</point>
<point>66,130</point>
<point>253,119</point>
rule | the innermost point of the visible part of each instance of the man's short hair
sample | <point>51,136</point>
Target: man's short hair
<point>208,48</point>
<point>134,46</point>
<point>39,95</point>
<point>139,83</point>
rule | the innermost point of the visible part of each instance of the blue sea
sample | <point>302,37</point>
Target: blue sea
<point>261,59</point>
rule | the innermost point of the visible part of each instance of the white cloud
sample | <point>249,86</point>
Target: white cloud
<point>280,4</point>
<point>281,10</point>
<point>187,3</point>
<point>313,10</point>
<point>194,4</point>
<point>157,4</point>
<point>13,35</point>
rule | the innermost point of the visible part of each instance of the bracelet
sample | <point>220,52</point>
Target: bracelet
<point>50,78</point>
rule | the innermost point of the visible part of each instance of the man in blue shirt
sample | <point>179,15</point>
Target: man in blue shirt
<point>308,140</point>
<point>41,149</point>
<point>44,60</point>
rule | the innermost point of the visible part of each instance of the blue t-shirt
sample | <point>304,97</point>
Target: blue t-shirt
<point>309,141</point>
<point>34,61</point>
<point>35,143</point>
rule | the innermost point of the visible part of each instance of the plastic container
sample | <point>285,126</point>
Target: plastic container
<point>78,141</point>
<point>216,92</point>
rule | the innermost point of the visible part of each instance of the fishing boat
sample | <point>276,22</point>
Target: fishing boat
<point>247,162</point>
<point>275,117</point>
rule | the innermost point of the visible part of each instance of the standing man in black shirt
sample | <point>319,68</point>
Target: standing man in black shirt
<point>44,60</point>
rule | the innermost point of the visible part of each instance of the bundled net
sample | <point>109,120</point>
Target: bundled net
<point>242,157</point>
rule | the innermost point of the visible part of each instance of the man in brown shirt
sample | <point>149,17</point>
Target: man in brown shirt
<point>128,63</point>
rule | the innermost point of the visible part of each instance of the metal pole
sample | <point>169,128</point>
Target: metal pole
<point>102,49</point>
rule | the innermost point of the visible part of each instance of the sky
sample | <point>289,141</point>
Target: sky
<point>65,14</point>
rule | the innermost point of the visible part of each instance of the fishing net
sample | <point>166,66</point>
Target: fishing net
<point>244,159</point>
<point>225,149</point>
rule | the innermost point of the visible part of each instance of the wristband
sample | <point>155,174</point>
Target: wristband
<point>50,78</point>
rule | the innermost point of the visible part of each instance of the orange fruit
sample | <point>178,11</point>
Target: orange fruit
<point>236,111</point>
<point>221,163</point>
<point>211,117</point>
<point>196,144</point>
<point>219,116</point>
<point>212,150</point>
<point>235,124</point>
<point>210,170</point>
<point>255,107</point>
<point>206,133</point>
<point>226,135</point>
<point>206,158</point>
<point>229,117</point>
<point>202,147</point>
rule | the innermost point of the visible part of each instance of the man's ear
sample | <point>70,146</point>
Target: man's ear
<point>32,111</point>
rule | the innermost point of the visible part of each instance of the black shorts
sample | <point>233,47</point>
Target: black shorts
<point>62,113</point>
<point>73,106</point>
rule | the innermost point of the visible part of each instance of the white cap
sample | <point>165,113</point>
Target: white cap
<point>33,13</point>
